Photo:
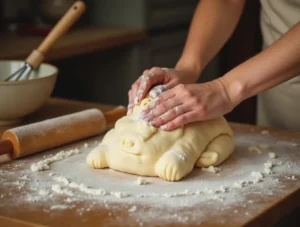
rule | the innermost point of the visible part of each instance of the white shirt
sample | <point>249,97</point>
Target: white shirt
<point>279,106</point>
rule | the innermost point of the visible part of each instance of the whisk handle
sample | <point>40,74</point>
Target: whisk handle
<point>63,25</point>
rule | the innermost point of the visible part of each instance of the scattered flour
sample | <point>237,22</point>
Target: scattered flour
<point>141,181</point>
<point>132,209</point>
<point>253,148</point>
<point>84,188</point>
<point>211,169</point>
<point>25,177</point>
<point>272,155</point>
<point>44,165</point>
<point>162,201</point>
<point>85,145</point>
<point>59,190</point>
<point>258,176</point>
<point>58,207</point>
<point>268,166</point>
<point>43,192</point>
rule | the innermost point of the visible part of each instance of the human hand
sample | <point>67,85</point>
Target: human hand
<point>163,77</point>
<point>184,104</point>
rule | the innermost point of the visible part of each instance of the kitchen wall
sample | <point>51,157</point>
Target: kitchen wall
<point>106,76</point>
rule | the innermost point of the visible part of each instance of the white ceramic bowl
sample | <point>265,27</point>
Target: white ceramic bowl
<point>21,98</point>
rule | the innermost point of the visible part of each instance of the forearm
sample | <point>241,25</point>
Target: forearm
<point>276,64</point>
<point>213,23</point>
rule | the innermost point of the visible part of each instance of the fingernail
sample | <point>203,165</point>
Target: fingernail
<point>163,127</point>
<point>152,123</point>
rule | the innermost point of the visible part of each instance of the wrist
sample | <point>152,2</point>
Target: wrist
<point>235,90</point>
<point>193,68</point>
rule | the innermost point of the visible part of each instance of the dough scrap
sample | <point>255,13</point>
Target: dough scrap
<point>134,146</point>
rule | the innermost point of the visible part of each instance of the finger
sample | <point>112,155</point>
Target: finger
<point>160,99</point>
<point>180,121</point>
<point>148,79</point>
<point>130,105</point>
<point>168,116</point>
<point>148,113</point>
<point>157,90</point>
<point>164,108</point>
<point>133,91</point>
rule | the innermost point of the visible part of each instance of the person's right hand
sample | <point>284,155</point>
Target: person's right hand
<point>163,77</point>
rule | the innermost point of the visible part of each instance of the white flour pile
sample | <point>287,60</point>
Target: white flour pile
<point>63,180</point>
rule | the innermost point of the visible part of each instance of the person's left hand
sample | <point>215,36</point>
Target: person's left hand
<point>184,104</point>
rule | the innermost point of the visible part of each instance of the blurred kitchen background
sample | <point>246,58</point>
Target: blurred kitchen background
<point>116,40</point>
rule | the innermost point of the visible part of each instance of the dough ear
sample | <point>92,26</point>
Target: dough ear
<point>97,157</point>
<point>216,152</point>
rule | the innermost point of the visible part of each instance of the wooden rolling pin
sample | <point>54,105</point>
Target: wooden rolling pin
<point>25,140</point>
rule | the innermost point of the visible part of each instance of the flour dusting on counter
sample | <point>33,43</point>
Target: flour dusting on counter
<point>61,181</point>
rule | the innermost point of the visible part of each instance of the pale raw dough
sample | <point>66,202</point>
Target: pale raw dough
<point>133,146</point>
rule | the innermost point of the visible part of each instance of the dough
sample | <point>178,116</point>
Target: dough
<point>133,146</point>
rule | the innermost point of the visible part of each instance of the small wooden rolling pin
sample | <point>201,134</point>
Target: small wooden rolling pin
<point>32,138</point>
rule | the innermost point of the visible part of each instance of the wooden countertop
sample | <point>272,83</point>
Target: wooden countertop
<point>77,41</point>
<point>271,209</point>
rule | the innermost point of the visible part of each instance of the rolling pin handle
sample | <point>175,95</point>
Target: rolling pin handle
<point>6,146</point>
<point>115,114</point>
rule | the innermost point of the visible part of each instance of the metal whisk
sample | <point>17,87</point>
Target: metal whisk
<point>37,56</point>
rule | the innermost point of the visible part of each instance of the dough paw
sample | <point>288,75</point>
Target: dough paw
<point>97,157</point>
<point>169,172</point>
<point>216,152</point>
<point>207,158</point>
<point>171,167</point>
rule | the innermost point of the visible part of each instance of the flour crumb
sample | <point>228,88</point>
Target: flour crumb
<point>44,164</point>
<point>43,192</point>
<point>293,177</point>
<point>258,176</point>
<point>211,169</point>
<point>272,155</point>
<point>69,200</point>
<point>58,207</point>
<point>25,177</point>
<point>61,179</point>
<point>85,145</point>
<point>250,201</point>
<point>235,211</point>
<point>59,190</point>
<point>268,166</point>
<point>141,181</point>
<point>264,132</point>
<point>223,189</point>
<point>247,213</point>
<point>119,195</point>
<point>239,184</point>
<point>132,209</point>
<point>253,148</point>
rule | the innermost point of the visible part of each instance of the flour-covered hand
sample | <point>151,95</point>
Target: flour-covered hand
<point>188,103</point>
<point>155,81</point>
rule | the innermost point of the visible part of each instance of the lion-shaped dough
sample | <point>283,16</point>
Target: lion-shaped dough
<point>134,146</point>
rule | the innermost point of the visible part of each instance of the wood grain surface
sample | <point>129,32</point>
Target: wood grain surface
<point>264,211</point>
